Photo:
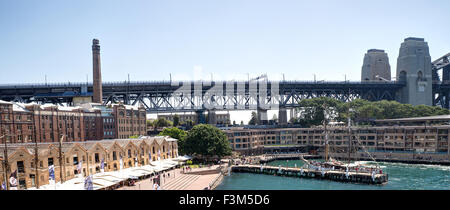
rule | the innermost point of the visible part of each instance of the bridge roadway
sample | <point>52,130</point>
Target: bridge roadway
<point>166,96</point>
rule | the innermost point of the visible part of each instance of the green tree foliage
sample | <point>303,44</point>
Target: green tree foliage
<point>188,124</point>
<point>312,110</point>
<point>176,120</point>
<point>254,119</point>
<point>161,122</point>
<point>175,133</point>
<point>207,141</point>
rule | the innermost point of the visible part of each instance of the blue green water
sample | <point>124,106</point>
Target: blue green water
<point>401,177</point>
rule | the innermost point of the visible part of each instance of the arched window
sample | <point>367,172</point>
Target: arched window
<point>402,76</point>
<point>420,76</point>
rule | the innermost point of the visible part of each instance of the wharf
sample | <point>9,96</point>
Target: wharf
<point>296,156</point>
<point>340,176</point>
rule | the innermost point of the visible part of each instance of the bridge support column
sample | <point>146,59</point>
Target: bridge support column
<point>212,117</point>
<point>414,69</point>
<point>262,116</point>
<point>282,116</point>
<point>446,79</point>
<point>200,117</point>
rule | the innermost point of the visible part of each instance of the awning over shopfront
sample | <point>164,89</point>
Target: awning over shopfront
<point>108,179</point>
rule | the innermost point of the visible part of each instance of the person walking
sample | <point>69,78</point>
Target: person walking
<point>159,188</point>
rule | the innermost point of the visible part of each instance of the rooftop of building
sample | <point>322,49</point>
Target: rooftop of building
<point>421,119</point>
<point>414,39</point>
<point>87,107</point>
<point>136,107</point>
<point>375,50</point>
<point>66,146</point>
<point>5,102</point>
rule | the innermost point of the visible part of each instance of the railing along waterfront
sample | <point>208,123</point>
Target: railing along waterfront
<point>217,180</point>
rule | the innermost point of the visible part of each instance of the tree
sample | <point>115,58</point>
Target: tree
<point>254,119</point>
<point>275,117</point>
<point>188,124</point>
<point>175,133</point>
<point>176,120</point>
<point>312,110</point>
<point>207,141</point>
<point>161,122</point>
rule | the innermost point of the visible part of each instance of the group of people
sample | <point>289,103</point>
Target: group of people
<point>157,180</point>
<point>186,169</point>
<point>156,186</point>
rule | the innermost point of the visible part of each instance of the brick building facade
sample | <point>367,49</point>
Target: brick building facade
<point>130,121</point>
<point>411,139</point>
<point>134,152</point>
<point>22,123</point>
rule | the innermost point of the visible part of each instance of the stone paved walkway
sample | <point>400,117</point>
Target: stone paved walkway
<point>177,181</point>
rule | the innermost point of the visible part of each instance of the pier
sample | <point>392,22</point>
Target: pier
<point>291,156</point>
<point>340,176</point>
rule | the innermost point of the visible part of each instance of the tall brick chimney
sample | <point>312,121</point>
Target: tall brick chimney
<point>97,72</point>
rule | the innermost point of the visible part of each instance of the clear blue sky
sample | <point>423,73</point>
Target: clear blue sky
<point>229,38</point>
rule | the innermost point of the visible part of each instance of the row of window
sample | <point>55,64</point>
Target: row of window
<point>125,129</point>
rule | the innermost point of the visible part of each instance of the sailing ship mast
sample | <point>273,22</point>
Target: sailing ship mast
<point>326,132</point>
<point>326,143</point>
<point>349,136</point>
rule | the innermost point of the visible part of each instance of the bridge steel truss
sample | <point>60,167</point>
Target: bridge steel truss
<point>165,96</point>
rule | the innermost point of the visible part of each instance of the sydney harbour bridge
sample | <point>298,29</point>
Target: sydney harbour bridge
<point>419,81</point>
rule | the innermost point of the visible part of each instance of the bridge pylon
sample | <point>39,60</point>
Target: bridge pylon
<point>414,68</point>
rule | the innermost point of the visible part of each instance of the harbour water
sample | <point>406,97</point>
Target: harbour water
<point>401,177</point>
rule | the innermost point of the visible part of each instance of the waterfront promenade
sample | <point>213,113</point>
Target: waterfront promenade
<point>196,179</point>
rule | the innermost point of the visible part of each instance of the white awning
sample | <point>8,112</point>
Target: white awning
<point>182,158</point>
